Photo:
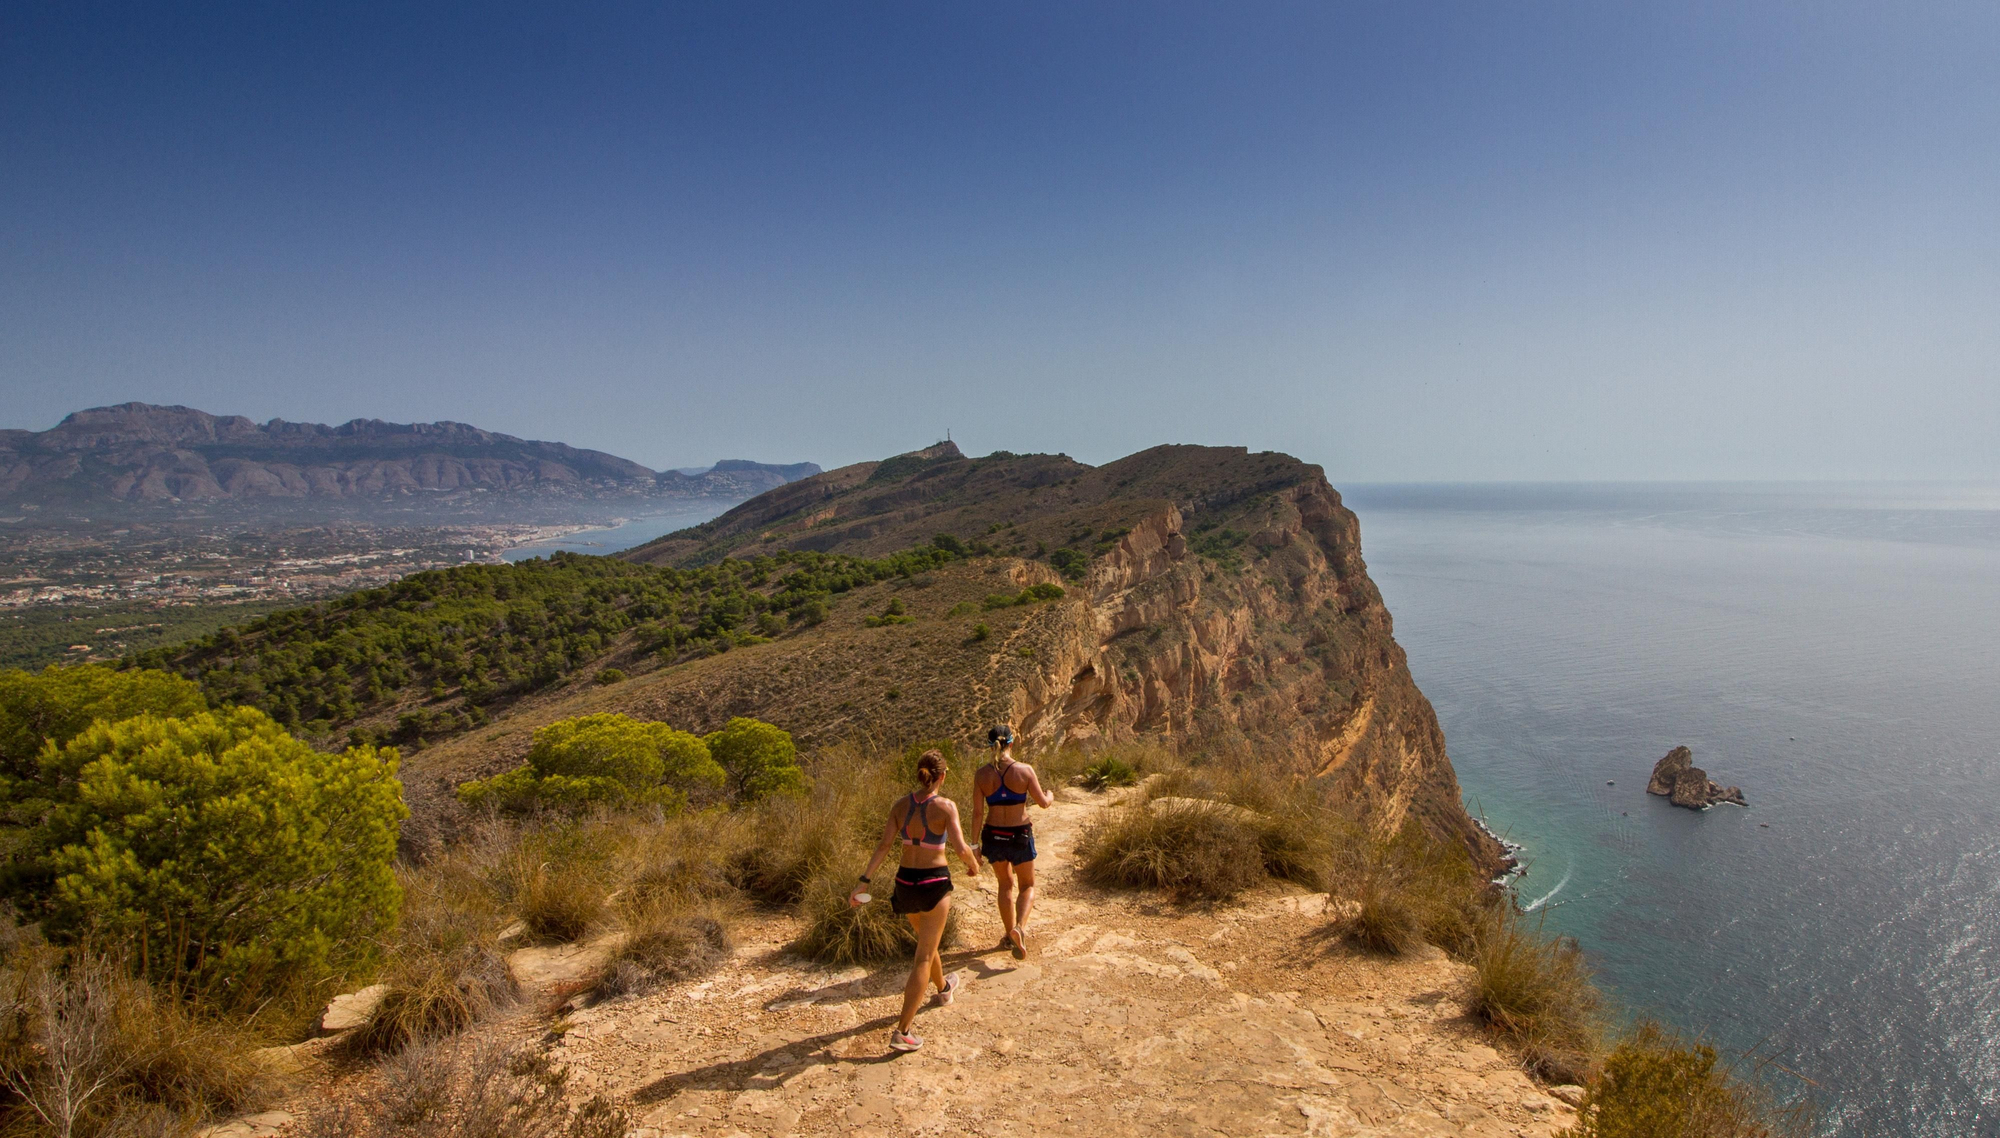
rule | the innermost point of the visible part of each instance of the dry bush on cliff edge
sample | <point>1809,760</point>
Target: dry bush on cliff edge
<point>1655,1083</point>
<point>1415,890</point>
<point>1536,990</point>
<point>1206,833</point>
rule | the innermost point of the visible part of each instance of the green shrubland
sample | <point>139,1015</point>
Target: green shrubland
<point>1108,772</point>
<point>204,879</point>
<point>194,882</point>
<point>760,759</point>
<point>53,706</point>
<point>439,650</point>
<point>222,854</point>
<point>604,760</point>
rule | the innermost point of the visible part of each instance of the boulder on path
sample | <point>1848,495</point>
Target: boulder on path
<point>345,1013</point>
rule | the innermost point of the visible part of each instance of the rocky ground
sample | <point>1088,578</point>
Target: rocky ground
<point>1128,1017</point>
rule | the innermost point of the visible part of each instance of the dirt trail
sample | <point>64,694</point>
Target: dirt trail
<point>1129,1018</point>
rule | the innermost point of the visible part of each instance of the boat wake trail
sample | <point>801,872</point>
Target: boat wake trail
<point>1544,898</point>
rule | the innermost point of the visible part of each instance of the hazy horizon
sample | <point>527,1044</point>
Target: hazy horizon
<point>1457,243</point>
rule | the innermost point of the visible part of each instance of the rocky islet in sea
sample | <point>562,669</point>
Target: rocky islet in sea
<point>1676,778</point>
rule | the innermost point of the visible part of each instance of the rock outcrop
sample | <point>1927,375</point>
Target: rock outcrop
<point>1676,778</point>
<point>138,454</point>
<point>1217,600</point>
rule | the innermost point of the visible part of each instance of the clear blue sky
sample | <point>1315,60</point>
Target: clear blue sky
<point>1501,239</point>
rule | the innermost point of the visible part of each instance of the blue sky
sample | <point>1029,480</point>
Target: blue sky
<point>1440,241</point>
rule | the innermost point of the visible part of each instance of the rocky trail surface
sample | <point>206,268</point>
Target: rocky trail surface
<point>1128,1017</point>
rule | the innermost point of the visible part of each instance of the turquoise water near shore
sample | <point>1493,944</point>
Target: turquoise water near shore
<point>1835,651</point>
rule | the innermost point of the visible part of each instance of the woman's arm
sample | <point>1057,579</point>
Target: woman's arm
<point>957,838</point>
<point>978,801</point>
<point>881,851</point>
<point>1042,797</point>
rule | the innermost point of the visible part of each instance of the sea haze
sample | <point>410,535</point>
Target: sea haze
<point>1830,649</point>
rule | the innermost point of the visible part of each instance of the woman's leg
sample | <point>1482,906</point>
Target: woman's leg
<point>930,930</point>
<point>1003,886</point>
<point>1025,873</point>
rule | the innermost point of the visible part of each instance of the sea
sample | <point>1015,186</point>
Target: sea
<point>1834,650</point>
<point>604,540</point>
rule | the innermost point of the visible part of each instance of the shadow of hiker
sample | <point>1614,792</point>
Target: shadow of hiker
<point>884,981</point>
<point>759,1072</point>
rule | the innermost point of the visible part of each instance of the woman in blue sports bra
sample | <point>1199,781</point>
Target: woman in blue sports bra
<point>924,822</point>
<point>1001,792</point>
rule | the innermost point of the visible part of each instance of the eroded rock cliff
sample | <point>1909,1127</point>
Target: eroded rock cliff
<point>1217,600</point>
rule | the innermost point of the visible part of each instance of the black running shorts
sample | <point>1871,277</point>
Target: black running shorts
<point>920,890</point>
<point>1014,844</point>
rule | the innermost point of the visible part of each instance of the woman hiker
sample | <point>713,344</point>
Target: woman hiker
<point>925,822</point>
<point>1001,792</point>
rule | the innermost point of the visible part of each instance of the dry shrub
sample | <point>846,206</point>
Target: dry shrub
<point>1387,922</point>
<point>1265,825</point>
<point>444,969</point>
<point>560,903</point>
<point>1191,851</point>
<point>87,1050</point>
<point>839,933</point>
<point>1298,835</point>
<point>1536,990</point>
<point>1075,764</point>
<point>1414,890</point>
<point>452,1087</point>
<point>1297,841</point>
<point>1655,1083</point>
<point>432,996</point>
<point>787,840</point>
<point>667,948</point>
<point>677,870</point>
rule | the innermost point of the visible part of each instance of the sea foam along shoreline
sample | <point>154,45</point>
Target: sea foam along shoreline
<point>1514,867</point>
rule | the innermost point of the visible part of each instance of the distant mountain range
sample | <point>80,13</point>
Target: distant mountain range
<point>138,457</point>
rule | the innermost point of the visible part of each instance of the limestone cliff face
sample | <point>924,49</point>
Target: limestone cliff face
<point>1224,607</point>
<point>1293,656</point>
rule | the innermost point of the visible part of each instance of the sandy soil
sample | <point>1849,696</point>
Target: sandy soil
<point>1129,1017</point>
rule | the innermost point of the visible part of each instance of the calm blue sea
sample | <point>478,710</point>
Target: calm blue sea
<point>624,535</point>
<point>1835,651</point>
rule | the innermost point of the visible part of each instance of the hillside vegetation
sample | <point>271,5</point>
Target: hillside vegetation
<point>181,883</point>
<point>440,652</point>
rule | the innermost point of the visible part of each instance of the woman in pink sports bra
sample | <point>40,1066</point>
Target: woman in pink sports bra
<point>924,822</point>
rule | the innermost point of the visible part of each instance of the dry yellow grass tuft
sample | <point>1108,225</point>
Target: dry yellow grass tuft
<point>1188,849</point>
<point>1536,990</point>
<point>86,1049</point>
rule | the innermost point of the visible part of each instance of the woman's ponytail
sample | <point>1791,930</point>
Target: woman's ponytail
<point>930,768</point>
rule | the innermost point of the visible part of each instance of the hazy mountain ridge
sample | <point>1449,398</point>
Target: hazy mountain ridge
<point>141,455</point>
